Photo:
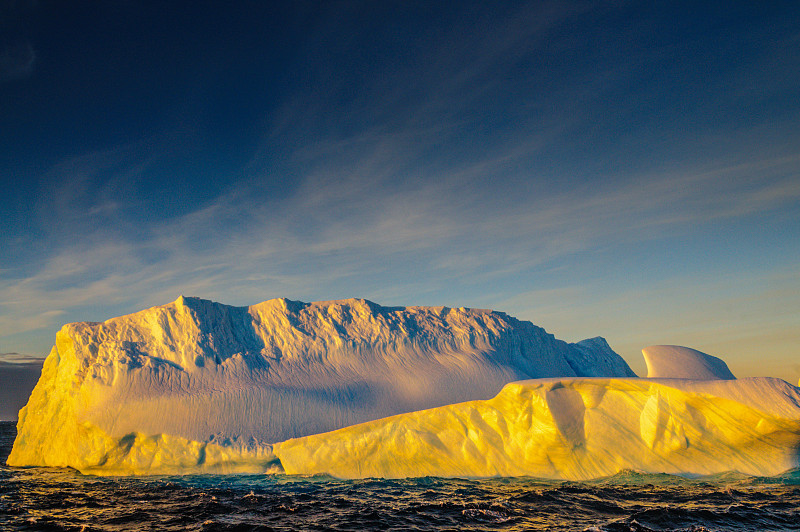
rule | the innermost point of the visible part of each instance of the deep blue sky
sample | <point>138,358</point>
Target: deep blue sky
<point>624,169</point>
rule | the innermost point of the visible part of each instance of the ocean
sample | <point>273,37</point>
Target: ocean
<point>62,499</point>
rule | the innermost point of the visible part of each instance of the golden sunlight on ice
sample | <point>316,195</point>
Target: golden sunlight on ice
<point>353,389</point>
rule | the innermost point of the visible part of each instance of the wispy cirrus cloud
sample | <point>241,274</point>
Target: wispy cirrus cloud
<point>463,169</point>
<point>366,233</point>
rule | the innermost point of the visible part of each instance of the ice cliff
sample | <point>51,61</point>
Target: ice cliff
<point>224,381</point>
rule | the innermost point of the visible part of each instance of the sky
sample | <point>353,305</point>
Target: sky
<point>621,169</point>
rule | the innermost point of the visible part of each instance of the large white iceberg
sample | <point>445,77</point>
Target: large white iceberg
<point>231,378</point>
<point>353,389</point>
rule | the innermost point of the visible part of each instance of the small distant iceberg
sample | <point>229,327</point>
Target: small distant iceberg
<point>354,389</point>
<point>677,362</point>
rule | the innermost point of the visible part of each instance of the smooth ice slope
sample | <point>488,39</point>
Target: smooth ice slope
<point>573,429</point>
<point>200,386</point>
<point>678,362</point>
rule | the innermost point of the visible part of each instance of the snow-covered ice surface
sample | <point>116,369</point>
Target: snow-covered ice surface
<point>197,387</point>
<point>200,386</point>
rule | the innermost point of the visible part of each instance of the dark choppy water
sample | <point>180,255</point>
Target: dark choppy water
<point>51,499</point>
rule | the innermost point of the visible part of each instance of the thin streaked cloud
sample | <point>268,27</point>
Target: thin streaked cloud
<point>330,232</point>
<point>561,162</point>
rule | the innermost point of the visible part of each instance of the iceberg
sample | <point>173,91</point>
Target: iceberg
<point>684,362</point>
<point>574,429</point>
<point>353,389</point>
<point>198,386</point>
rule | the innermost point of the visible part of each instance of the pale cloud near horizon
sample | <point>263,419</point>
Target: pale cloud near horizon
<point>20,358</point>
<point>18,375</point>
